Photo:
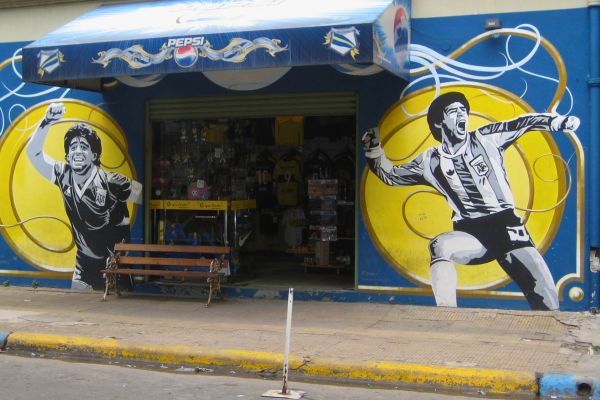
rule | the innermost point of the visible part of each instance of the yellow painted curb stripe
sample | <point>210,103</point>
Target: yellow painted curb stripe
<point>492,381</point>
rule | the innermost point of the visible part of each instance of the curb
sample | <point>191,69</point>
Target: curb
<point>554,385</point>
<point>486,381</point>
<point>3,340</point>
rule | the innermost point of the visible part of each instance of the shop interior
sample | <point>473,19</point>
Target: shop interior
<point>279,191</point>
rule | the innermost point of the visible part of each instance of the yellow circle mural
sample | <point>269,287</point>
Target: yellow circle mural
<point>401,221</point>
<point>32,215</point>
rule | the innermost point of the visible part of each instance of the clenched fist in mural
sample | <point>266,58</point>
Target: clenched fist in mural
<point>370,139</point>
<point>562,123</point>
<point>54,112</point>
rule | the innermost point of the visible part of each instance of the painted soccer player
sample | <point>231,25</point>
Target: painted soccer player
<point>94,199</point>
<point>467,168</point>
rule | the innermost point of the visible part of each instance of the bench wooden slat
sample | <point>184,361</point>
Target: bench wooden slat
<point>203,257</point>
<point>169,261</point>
<point>166,261</point>
<point>155,272</point>
<point>172,248</point>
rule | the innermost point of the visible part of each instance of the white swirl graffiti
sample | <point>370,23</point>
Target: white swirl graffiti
<point>432,61</point>
<point>22,91</point>
<point>235,52</point>
<point>571,102</point>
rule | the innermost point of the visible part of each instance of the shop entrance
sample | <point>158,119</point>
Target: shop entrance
<point>278,189</point>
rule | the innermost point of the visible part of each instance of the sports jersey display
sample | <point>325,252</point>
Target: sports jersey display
<point>289,131</point>
<point>318,165</point>
<point>265,164</point>
<point>287,176</point>
<point>293,221</point>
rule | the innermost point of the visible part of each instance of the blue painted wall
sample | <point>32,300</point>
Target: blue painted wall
<point>16,97</point>
<point>377,93</point>
<point>444,35</point>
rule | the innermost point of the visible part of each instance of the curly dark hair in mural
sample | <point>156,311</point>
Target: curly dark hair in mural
<point>467,168</point>
<point>86,132</point>
<point>95,200</point>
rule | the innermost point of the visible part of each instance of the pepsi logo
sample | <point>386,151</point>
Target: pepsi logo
<point>185,56</point>
<point>401,29</point>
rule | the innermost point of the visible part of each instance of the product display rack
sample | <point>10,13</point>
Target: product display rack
<point>271,189</point>
<point>202,183</point>
<point>323,230</point>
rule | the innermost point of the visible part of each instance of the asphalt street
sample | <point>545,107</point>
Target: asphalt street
<point>28,378</point>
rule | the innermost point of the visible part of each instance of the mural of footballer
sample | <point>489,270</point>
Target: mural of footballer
<point>467,168</point>
<point>94,199</point>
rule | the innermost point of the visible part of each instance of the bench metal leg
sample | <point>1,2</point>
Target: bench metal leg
<point>105,288</point>
<point>110,284</point>
<point>215,287</point>
<point>210,292</point>
<point>110,280</point>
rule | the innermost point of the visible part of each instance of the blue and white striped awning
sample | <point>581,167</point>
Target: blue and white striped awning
<point>206,35</point>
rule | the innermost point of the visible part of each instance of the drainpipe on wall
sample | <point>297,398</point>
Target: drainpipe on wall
<point>594,281</point>
<point>594,151</point>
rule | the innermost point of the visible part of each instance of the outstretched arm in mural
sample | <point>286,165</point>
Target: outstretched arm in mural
<point>467,168</point>
<point>504,133</point>
<point>42,162</point>
<point>407,174</point>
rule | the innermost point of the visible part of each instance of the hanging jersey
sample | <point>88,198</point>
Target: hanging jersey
<point>473,179</point>
<point>344,170</point>
<point>268,221</point>
<point>294,222</point>
<point>265,196</point>
<point>318,166</point>
<point>289,131</point>
<point>287,176</point>
<point>343,166</point>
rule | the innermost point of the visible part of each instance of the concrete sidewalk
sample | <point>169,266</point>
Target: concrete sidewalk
<point>491,351</point>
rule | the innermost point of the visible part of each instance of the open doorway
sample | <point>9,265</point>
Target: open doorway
<point>295,177</point>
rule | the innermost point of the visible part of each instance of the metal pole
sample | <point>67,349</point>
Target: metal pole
<point>285,393</point>
<point>288,330</point>
<point>594,129</point>
<point>594,150</point>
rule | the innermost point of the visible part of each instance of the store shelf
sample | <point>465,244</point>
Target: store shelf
<point>202,205</point>
<point>300,251</point>
<point>330,266</point>
<point>338,268</point>
<point>237,205</point>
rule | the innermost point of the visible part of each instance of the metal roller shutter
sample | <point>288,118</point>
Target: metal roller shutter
<point>254,106</point>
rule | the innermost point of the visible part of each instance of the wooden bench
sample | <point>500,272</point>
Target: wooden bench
<point>167,261</point>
